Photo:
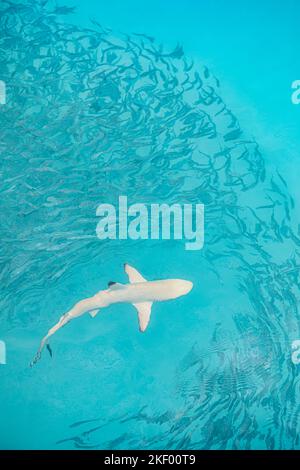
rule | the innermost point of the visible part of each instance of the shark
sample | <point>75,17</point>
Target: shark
<point>139,292</point>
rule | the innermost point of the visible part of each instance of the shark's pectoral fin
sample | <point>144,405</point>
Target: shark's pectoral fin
<point>93,313</point>
<point>144,313</point>
<point>133,275</point>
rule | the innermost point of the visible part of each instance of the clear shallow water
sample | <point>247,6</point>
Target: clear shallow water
<point>92,112</point>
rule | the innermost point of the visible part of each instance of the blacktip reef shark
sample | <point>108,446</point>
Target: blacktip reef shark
<point>139,292</point>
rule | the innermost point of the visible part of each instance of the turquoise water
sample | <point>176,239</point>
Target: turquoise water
<point>93,113</point>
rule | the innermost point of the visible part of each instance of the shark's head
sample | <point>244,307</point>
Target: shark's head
<point>181,287</point>
<point>186,287</point>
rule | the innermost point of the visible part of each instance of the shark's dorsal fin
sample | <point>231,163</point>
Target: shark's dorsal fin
<point>115,285</point>
<point>133,274</point>
<point>93,313</point>
<point>144,313</point>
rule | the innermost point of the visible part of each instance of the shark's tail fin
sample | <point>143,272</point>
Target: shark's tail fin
<point>36,358</point>
<point>38,355</point>
<point>49,350</point>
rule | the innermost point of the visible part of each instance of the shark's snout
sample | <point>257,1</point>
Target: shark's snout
<point>188,286</point>
<point>182,287</point>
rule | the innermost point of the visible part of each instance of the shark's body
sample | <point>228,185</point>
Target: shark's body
<point>139,292</point>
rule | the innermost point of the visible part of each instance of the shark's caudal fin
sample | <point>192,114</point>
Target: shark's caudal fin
<point>144,313</point>
<point>49,350</point>
<point>133,275</point>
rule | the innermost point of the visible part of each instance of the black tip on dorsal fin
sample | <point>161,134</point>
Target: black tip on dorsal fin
<point>111,283</point>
